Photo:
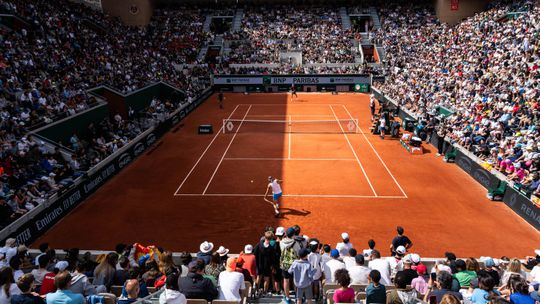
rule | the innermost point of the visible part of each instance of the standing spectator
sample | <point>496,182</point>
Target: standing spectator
<point>171,293</point>
<point>26,285</point>
<point>402,294</point>
<point>8,288</point>
<point>121,274</point>
<point>194,285</point>
<point>375,292</point>
<point>132,289</point>
<point>240,268</point>
<point>63,295</point>
<point>231,282</point>
<point>344,294</point>
<point>442,286</point>
<point>265,257</point>
<point>325,256</point>
<point>359,273</point>
<point>205,252</point>
<point>400,240</point>
<point>43,248</point>
<point>380,265</point>
<point>303,273</point>
<point>315,259</point>
<point>249,260</point>
<point>396,261</point>
<point>371,245</point>
<point>344,246</point>
<point>331,266</point>
<point>289,253</point>
<point>408,273</point>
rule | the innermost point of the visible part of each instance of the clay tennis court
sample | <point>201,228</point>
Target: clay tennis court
<point>336,175</point>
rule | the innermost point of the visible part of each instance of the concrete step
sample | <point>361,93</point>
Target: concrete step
<point>206,24</point>
<point>202,53</point>
<point>345,19</point>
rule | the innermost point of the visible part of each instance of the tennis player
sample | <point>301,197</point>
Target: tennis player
<point>220,99</point>
<point>274,185</point>
<point>293,92</point>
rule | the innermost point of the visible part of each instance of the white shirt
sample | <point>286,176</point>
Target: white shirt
<point>330,269</point>
<point>344,248</point>
<point>367,252</point>
<point>350,262</point>
<point>39,274</point>
<point>230,284</point>
<point>534,276</point>
<point>383,267</point>
<point>315,260</point>
<point>359,274</point>
<point>276,188</point>
<point>395,265</point>
<point>13,290</point>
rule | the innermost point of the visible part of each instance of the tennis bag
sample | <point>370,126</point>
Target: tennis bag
<point>287,258</point>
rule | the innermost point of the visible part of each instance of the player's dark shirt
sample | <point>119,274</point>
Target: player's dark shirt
<point>401,240</point>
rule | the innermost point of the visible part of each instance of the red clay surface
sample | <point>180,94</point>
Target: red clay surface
<point>333,182</point>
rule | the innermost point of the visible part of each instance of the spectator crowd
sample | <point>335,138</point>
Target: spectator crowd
<point>485,69</point>
<point>282,262</point>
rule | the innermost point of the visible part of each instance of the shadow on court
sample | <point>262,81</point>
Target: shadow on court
<point>293,212</point>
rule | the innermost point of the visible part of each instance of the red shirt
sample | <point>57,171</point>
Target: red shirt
<point>249,263</point>
<point>48,284</point>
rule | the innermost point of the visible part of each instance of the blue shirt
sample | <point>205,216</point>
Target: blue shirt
<point>64,297</point>
<point>480,296</point>
<point>519,298</point>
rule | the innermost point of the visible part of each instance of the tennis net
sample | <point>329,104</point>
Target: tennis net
<point>290,126</point>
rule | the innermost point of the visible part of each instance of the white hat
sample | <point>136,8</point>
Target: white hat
<point>248,249</point>
<point>280,231</point>
<point>401,250</point>
<point>62,265</point>
<point>222,251</point>
<point>345,236</point>
<point>52,174</point>
<point>446,268</point>
<point>537,251</point>
<point>10,242</point>
<point>305,237</point>
<point>415,258</point>
<point>206,247</point>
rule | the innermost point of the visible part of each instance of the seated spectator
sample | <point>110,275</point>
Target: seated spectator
<point>402,294</point>
<point>486,285</point>
<point>332,266</point>
<point>215,267</point>
<point>134,274</point>
<point>231,282</point>
<point>49,284</point>
<point>39,274</point>
<point>359,273</point>
<point>121,274</point>
<point>409,274</point>
<point>27,296</point>
<point>104,272</point>
<point>450,299</point>
<point>194,285</point>
<point>381,265</point>
<point>344,246</point>
<point>513,268</point>
<point>205,253</point>
<point>371,245</point>
<point>464,275</point>
<point>344,294</point>
<point>520,294</point>
<point>349,259</point>
<point>171,293</point>
<point>80,283</point>
<point>63,295</point>
<point>132,290</point>
<point>490,270</point>
<point>8,288</point>
<point>419,283</point>
<point>375,291</point>
<point>442,286</point>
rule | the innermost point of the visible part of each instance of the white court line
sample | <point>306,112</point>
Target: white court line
<point>293,195</point>
<point>290,136</point>
<point>281,158</point>
<point>204,152</point>
<point>289,104</point>
<point>376,153</point>
<point>354,152</point>
<point>223,156</point>
<point>283,115</point>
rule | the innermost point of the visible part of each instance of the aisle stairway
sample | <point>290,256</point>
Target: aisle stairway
<point>345,19</point>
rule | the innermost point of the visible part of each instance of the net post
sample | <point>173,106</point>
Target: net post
<point>357,125</point>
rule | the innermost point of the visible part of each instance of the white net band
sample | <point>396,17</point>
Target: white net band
<point>290,126</point>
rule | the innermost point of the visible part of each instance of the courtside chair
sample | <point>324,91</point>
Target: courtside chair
<point>116,290</point>
<point>358,287</point>
<point>360,297</point>
<point>196,301</point>
<point>329,296</point>
<point>224,302</point>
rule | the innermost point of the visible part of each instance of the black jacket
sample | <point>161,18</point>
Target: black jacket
<point>26,299</point>
<point>195,286</point>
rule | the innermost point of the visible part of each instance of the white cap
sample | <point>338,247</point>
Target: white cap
<point>401,250</point>
<point>537,251</point>
<point>280,231</point>
<point>248,249</point>
<point>415,258</point>
<point>62,265</point>
<point>345,236</point>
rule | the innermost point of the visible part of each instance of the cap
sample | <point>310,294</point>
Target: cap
<point>345,236</point>
<point>248,249</point>
<point>401,250</point>
<point>334,253</point>
<point>415,258</point>
<point>489,262</point>
<point>421,269</point>
<point>290,232</point>
<point>62,265</point>
<point>280,231</point>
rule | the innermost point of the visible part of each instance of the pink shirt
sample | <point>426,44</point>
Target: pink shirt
<point>419,283</point>
<point>344,296</point>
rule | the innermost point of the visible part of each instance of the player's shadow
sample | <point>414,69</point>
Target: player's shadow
<point>293,212</point>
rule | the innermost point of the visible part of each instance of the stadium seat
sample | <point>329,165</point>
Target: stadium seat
<point>109,298</point>
<point>117,290</point>
<point>196,301</point>
<point>360,296</point>
<point>224,302</point>
<point>358,287</point>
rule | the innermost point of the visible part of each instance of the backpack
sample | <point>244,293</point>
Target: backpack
<point>288,256</point>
